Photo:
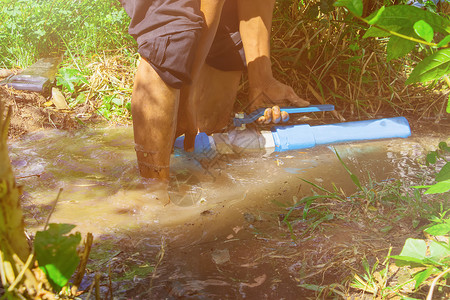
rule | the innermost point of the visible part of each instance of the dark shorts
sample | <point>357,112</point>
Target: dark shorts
<point>167,33</point>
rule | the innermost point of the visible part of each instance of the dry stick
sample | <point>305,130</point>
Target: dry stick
<point>433,284</point>
<point>53,208</point>
<point>82,266</point>
<point>25,267</point>
<point>160,256</point>
<point>97,286</point>
<point>2,271</point>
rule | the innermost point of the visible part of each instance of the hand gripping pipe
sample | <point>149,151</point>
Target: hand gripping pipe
<point>284,138</point>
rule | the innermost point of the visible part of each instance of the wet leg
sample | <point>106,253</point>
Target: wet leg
<point>154,107</point>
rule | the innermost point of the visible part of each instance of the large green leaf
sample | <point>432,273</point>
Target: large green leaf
<point>424,30</point>
<point>398,47</point>
<point>438,229</point>
<point>439,188</point>
<point>439,251</point>
<point>415,248</point>
<point>354,6</point>
<point>405,16</point>
<point>431,67</point>
<point>56,253</point>
<point>423,275</point>
<point>444,173</point>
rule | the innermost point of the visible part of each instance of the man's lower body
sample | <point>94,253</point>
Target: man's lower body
<point>191,65</point>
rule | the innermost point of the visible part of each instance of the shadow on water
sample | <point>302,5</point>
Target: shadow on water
<point>222,237</point>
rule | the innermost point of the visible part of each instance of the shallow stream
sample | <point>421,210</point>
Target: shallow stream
<point>221,236</point>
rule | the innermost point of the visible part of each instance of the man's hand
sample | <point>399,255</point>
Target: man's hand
<point>274,94</point>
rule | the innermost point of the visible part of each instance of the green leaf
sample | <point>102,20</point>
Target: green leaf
<point>444,173</point>
<point>377,16</point>
<point>405,16</point>
<point>415,248</point>
<point>431,67</point>
<point>439,188</point>
<point>444,147</point>
<point>431,157</point>
<point>438,251</point>
<point>423,275</point>
<point>438,229</point>
<point>398,47</point>
<point>354,6</point>
<point>56,253</point>
<point>69,78</point>
<point>424,30</point>
<point>377,32</point>
<point>448,105</point>
<point>444,41</point>
<point>407,261</point>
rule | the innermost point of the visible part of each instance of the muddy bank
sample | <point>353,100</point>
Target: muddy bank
<point>32,112</point>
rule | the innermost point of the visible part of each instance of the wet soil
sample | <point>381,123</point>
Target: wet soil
<point>32,112</point>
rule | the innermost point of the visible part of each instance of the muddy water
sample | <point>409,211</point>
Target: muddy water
<point>220,235</point>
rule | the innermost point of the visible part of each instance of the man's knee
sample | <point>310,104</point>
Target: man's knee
<point>167,33</point>
<point>172,56</point>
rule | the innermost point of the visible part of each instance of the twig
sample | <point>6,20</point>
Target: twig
<point>53,208</point>
<point>22,272</point>
<point>82,266</point>
<point>160,256</point>
<point>97,286</point>
<point>433,284</point>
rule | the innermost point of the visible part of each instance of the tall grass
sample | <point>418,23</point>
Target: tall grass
<point>31,29</point>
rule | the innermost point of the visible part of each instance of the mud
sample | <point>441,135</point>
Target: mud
<point>223,236</point>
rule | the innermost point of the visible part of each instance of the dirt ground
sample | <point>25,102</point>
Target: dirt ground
<point>33,111</point>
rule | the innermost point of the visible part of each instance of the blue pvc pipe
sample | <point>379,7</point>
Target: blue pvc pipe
<point>306,136</point>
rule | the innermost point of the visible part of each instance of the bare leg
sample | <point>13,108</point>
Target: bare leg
<point>255,24</point>
<point>214,98</point>
<point>187,116</point>
<point>154,107</point>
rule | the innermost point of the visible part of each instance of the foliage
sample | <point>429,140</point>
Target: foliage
<point>56,253</point>
<point>407,27</point>
<point>70,78</point>
<point>82,31</point>
<point>443,176</point>
<point>31,29</point>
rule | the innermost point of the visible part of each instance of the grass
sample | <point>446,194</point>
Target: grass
<point>358,234</point>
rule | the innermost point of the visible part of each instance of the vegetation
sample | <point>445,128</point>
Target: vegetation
<point>317,49</point>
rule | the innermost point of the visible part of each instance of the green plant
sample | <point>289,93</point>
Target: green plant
<point>56,253</point>
<point>406,27</point>
<point>31,29</point>
<point>70,79</point>
<point>442,177</point>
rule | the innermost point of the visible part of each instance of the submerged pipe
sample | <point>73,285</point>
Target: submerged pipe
<point>292,137</point>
